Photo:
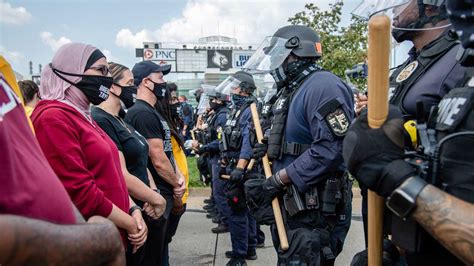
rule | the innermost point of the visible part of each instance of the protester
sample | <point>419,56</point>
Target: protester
<point>81,154</point>
<point>29,91</point>
<point>38,220</point>
<point>133,150</point>
<point>165,108</point>
<point>143,116</point>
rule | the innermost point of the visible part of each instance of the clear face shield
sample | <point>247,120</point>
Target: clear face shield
<point>403,13</point>
<point>270,93</point>
<point>269,55</point>
<point>203,104</point>
<point>226,86</point>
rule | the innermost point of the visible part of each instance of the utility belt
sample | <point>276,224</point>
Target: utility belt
<point>328,196</point>
<point>231,140</point>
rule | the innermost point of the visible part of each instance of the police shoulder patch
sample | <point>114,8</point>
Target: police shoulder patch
<point>335,117</point>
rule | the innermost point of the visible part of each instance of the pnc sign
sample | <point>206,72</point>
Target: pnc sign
<point>159,54</point>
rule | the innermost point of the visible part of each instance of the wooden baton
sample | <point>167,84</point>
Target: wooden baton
<point>268,173</point>
<point>378,82</point>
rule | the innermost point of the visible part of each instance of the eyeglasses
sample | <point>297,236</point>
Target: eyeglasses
<point>102,69</point>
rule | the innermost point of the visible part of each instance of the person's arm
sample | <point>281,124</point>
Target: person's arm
<point>30,241</point>
<point>122,220</point>
<point>161,162</point>
<point>152,181</point>
<point>179,191</point>
<point>449,220</point>
<point>66,157</point>
<point>138,239</point>
<point>325,153</point>
<point>140,191</point>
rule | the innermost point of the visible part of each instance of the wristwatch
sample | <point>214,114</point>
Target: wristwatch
<point>402,201</point>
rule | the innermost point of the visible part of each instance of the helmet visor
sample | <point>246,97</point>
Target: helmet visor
<point>368,8</point>
<point>268,56</point>
<point>226,86</point>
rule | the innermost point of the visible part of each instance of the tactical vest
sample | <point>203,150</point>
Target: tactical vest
<point>212,128</point>
<point>232,135</point>
<point>407,74</point>
<point>277,147</point>
<point>451,168</point>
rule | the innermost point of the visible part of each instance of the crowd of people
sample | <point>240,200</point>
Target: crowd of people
<point>94,169</point>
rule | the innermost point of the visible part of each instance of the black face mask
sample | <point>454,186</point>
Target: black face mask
<point>175,110</point>
<point>214,106</point>
<point>159,89</point>
<point>128,95</point>
<point>96,88</point>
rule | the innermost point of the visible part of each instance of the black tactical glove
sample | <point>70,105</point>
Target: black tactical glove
<point>237,175</point>
<point>375,156</point>
<point>390,255</point>
<point>271,188</point>
<point>260,149</point>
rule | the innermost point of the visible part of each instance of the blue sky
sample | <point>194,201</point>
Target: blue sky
<point>34,29</point>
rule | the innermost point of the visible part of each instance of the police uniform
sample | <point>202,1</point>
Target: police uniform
<point>242,226</point>
<point>450,171</point>
<point>427,75</point>
<point>216,122</point>
<point>319,114</point>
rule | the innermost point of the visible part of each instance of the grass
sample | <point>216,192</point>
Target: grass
<point>194,180</point>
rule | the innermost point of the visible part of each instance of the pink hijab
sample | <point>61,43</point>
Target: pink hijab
<point>71,58</point>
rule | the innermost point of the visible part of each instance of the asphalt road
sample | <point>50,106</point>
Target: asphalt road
<point>194,243</point>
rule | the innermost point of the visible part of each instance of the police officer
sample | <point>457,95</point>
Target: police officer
<point>237,153</point>
<point>310,119</point>
<point>431,69</point>
<point>435,193</point>
<point>216,122</point>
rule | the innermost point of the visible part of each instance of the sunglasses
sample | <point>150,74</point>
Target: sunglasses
<point>102,69</point>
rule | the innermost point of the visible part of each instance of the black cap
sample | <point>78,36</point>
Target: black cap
<point>143,69</point>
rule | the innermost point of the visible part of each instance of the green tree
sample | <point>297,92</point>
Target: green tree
<point>343,47</point>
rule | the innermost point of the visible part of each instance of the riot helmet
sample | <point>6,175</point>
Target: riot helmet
<point>302,41</point>
<point>404,26</point>
<point>240,79</point>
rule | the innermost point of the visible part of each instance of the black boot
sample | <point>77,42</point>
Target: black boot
<point>220,229</point>
<point>251,255</point>
<point>236,262</point>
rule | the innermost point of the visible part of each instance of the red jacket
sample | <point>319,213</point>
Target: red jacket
<point>83,156</point>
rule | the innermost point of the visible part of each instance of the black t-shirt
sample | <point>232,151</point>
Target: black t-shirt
<point>131,143</point>
<point>146,120</point>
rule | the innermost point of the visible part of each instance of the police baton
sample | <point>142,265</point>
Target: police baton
<point>268,173</point>
<point>378,57</point>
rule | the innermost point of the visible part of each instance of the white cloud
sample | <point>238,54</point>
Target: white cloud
<point>54,44</point>
<point>13,15</point>
<point>13,57</point>
<point>248,21</point>
<point>109,56</point>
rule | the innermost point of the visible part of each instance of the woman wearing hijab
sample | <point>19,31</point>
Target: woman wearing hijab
<point>82,155</point>
<point>133,153</point>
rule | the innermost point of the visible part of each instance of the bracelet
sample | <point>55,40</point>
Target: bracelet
<point>134,208</point>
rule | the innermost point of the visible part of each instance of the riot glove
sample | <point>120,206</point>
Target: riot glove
<point>260,149</point>
<point>271,188</point>
<point>375,156</point>
<point>237,175</point>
